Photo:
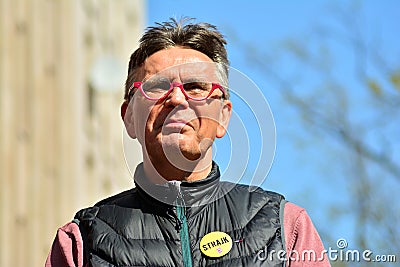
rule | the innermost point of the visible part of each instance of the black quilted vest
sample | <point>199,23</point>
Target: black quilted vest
<point>134,229</point>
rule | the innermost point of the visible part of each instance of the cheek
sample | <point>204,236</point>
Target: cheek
<point>209,116</point>
<point>141,114</point>
<point>208,127</point>
<point>208,110</point>
<point>148,116</point>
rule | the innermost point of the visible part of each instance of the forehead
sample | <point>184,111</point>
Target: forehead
<point>180,63</point>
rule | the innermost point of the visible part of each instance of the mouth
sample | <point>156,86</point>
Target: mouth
<point>176,123</point>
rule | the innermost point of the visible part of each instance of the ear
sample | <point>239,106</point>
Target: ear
<point>127,117</point>
<point>124,106</point>
<point>226,112</point>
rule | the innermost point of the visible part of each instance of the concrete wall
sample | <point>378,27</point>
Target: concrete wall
<point>60,128</point>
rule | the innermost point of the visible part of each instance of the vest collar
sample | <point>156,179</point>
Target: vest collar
<point>197,193</point>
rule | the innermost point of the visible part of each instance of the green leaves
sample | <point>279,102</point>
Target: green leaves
<point>374,87</point>
<point>395,79</point>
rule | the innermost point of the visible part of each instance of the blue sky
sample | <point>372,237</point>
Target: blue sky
<point>299,170</point>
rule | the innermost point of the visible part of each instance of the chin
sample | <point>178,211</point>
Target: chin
<point>180,144</point>
<point>191,155</point>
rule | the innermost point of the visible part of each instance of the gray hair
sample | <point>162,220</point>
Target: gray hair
<point>202,37</point>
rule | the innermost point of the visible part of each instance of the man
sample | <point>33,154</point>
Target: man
<point>179,213</point>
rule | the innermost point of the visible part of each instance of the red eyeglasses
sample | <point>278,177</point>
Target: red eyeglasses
<point>156,90</point>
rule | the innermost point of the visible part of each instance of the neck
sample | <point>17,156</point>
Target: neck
<point>160,170</point>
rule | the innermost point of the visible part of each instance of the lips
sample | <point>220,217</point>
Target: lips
<point>176,119</point>
<point>176,123</point>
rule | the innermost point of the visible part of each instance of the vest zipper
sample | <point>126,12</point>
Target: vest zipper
<point>183,228</point>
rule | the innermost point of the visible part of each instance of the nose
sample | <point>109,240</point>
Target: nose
<point>176,98</point>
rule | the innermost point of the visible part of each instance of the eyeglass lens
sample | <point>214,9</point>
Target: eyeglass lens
<point>158,88</point>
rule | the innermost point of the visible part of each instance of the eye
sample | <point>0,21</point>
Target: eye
<point>156,86</point>
<point>197,87</point>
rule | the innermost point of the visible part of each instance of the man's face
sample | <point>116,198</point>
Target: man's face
<point>176,125</point>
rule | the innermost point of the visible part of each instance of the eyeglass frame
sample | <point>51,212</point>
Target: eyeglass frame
<point>139,85</point>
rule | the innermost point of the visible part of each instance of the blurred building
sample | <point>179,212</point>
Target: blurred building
<point>62,70</point>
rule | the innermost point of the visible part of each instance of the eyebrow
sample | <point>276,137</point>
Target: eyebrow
<point>157,79</point>
<point>195,80</point>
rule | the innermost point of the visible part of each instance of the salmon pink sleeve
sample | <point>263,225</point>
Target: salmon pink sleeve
<point>303,244</point>
<point>67,248</point>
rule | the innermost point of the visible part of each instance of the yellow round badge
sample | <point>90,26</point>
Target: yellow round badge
<point>216,244</point>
